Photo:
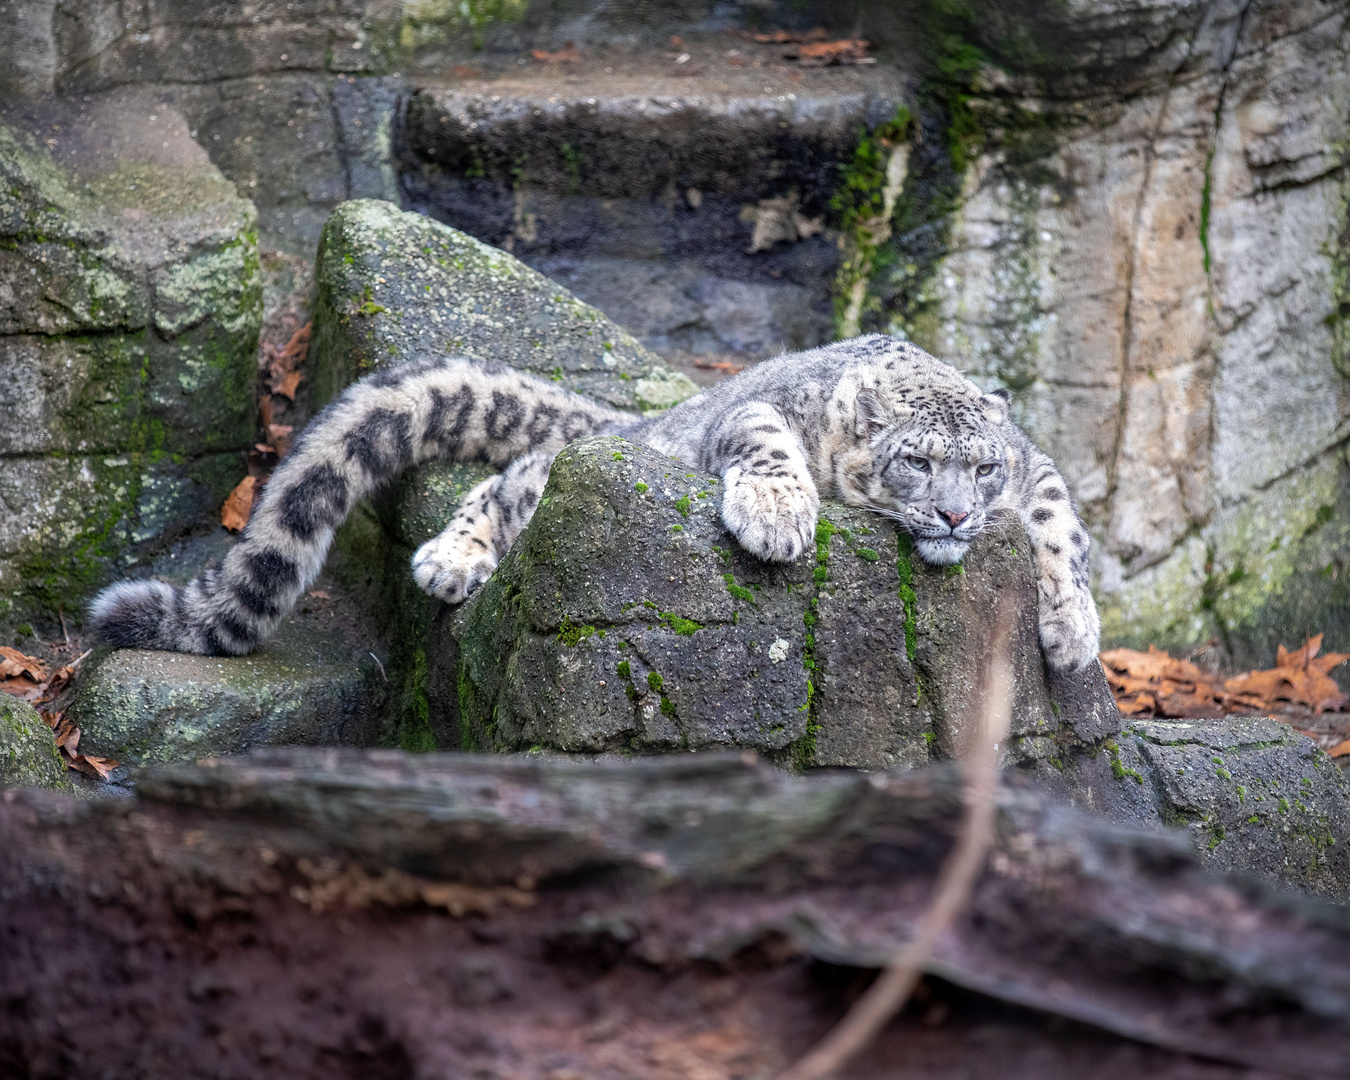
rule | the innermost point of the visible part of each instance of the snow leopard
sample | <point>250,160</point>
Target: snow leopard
<point>874,422</point>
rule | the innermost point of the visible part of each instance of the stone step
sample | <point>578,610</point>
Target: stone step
<point>322,679</point>
<point>692,210</point>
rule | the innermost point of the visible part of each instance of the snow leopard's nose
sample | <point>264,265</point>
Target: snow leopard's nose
<point>953,518</point>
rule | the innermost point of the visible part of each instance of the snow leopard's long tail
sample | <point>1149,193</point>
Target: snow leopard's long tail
<point>439,408</point>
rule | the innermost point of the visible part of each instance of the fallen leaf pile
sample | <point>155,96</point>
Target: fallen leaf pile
<point>782,37</point>
<point>1155,684</point>
<point>568,54</point>
<point>825,53</point>
<point>812,48</point>
<point>27,678</point>
<point>281,365</point>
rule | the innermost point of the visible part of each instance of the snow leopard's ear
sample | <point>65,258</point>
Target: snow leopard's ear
<point>996,405</point>
<point>872,412</point>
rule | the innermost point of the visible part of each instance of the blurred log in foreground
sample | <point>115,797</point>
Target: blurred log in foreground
<point>370,914</point>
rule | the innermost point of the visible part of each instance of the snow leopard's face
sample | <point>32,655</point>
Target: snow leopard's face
<point>937,470</point>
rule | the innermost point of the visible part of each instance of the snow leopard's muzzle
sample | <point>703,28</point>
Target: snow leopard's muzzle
<point>942,504</point>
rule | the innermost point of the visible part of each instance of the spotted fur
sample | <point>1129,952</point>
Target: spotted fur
<point>874,422</point>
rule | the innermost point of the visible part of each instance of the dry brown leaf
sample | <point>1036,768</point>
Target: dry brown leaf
<point>782,37</point>
<point>319,594</point>
<point>1158,684</point>
<point>68,737</point>
<point>235,513</point>
<point>1152,665</point>
<point>1140,704</point>
<point>1341,749</point>
<point>13,663</point>
<point>98,767</point>
<point>719,365</point>
<point>279,438</point>
<point>568,54</point>
<point>823,53</point>
<point>22,688</point>
<point>460,71</point>
<point>286,385</point>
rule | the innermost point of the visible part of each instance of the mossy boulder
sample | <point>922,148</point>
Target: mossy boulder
<point>28,754</point>
<point>395,285</point>
<point>626,618</point>
<point>130,302</point>
<point>320,680</point>
<point>1254,795</point>
<point>308,687</point>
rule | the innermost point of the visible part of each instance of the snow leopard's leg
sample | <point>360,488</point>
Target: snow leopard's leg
<point>463,555</point>
<point>445,407</point>
<point>769,501</point>
<point>1070,629</point>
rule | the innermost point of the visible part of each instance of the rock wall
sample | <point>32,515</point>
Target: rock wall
<point>1135,217</point>
<point>1145,238</point>
<point>129,313</point>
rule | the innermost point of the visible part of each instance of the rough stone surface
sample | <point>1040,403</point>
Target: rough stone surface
<point>305,687</point>
<point>626,618</point>
<point>319,681</point>
<point>129,313</point>
<point>692,214</point>
<point>28,754</point>
<point>395,285</point>
<point>1254,795</point>
<point>1147,242</point>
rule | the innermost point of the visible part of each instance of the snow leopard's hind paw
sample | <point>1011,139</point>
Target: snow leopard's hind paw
<point>444,569</point>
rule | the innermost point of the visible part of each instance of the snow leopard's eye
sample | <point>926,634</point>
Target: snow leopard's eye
<point>985,469</point>
<point>919,463</point>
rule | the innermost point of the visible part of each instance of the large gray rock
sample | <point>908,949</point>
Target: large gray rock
<point>626,618</point>
<point>28,753</point>
<point>395,285</point>
<point>129,313</point>
<point>1253,794</point>
<point>320,680</point>
<point>308,687</point>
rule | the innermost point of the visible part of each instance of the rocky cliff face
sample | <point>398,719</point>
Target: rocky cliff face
<point>1134,216</point>
<point>1147,242</point>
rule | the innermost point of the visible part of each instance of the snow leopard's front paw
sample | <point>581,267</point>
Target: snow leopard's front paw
<point>773,517</point>
<point>442,568</point>
<point>1070,633</point>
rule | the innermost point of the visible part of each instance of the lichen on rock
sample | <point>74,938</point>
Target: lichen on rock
<point>28,753</point>
<point>129,312</point>
<point>626,618</point>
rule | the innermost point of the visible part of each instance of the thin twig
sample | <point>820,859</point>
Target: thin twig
<point>888,994</point>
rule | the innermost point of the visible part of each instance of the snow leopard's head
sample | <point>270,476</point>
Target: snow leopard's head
<point>934,459</point>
